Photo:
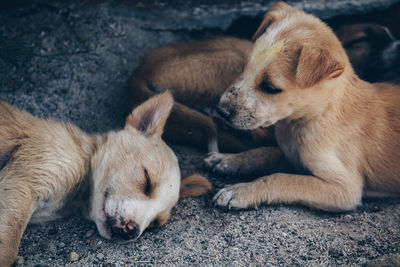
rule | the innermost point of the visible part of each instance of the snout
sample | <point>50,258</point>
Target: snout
<point>124,229</point>
<point>226,106</point>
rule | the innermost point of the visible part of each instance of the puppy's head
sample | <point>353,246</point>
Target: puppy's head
<point>296,61</point>
<point>136,178</point>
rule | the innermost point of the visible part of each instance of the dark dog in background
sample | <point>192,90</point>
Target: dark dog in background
<point>373,51</point>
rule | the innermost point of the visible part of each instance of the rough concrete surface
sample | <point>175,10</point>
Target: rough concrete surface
<point>70,61</point>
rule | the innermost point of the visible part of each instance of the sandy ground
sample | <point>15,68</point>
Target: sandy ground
<point>76,60</point>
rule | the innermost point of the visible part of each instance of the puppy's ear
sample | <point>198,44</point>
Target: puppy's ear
<point>268,19</point>
<point>151,116</point>
<point>273,14</point>
<point>194,185</point>
<point>314,65</point>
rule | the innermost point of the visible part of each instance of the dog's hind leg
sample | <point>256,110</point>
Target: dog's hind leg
<point>186,125</point>
<point>16,208</point>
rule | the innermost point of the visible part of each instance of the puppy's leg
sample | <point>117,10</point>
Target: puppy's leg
<point>16,208</point>
<point>325,194</point>
<point>257,161</point>
<point>186,125</point>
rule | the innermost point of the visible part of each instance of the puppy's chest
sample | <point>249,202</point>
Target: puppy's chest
<point>290,140</point>
<point>48,210</point>
<point>58,206</point>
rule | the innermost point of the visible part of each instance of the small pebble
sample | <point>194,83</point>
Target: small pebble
<point>89,233</point>
<point>73,256</point>
<point>143,248</point>
<point>100,256</point>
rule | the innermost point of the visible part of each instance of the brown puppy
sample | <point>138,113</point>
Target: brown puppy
<point>344,133</point>
<point>126,180</point>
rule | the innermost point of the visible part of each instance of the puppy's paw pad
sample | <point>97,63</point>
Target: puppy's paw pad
<point>231,198</point>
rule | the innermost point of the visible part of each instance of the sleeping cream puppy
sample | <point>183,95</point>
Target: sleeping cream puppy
<point>127,180</point>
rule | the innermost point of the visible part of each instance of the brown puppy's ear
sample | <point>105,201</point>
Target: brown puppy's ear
<point>151,116</point>
<point>314,65</point>
<point>194,185</point>
<point>7,151</point>
<point>273,14</point>
<point>268,19</point>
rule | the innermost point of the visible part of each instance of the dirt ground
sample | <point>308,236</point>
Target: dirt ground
<point>70,61</point>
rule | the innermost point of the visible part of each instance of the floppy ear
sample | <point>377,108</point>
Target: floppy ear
<point>314,65</point>
<point>194,185</point>
<point>151,116</point>
<point>273,14</point>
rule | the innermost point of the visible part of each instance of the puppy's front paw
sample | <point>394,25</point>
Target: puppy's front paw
<point>222,163</point>
<point>238,196</point>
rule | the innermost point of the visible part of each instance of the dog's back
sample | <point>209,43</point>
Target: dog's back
<point>196,73</point>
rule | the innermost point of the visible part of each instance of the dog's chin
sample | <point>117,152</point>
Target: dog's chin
<point>104,229</point>
<point>242,126</point>
<point>251,124</point>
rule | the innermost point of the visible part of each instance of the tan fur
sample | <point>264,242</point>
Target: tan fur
<point>46,165</point>
<point>342,132</point>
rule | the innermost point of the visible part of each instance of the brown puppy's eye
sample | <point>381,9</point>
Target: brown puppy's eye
<point>147,185</point>
<point>266,88</point>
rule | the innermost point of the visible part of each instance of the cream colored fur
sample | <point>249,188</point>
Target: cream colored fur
<point>127,180</point>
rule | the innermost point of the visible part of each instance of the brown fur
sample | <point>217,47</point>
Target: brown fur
<point>46,165</point>
<point>342,132</point>
<point>373,51</point>
<point>194,185</point>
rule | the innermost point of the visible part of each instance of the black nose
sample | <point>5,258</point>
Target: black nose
<point>126,231</point>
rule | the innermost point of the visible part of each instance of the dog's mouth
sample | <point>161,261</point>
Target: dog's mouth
<point>124,229</point>
<point>213,113</point>
<point>117,234</point>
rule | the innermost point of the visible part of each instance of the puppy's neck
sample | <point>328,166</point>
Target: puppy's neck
<point>89,146</point>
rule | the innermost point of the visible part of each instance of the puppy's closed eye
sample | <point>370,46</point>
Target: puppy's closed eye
<point>148,187</point>
<point>266,88</point>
